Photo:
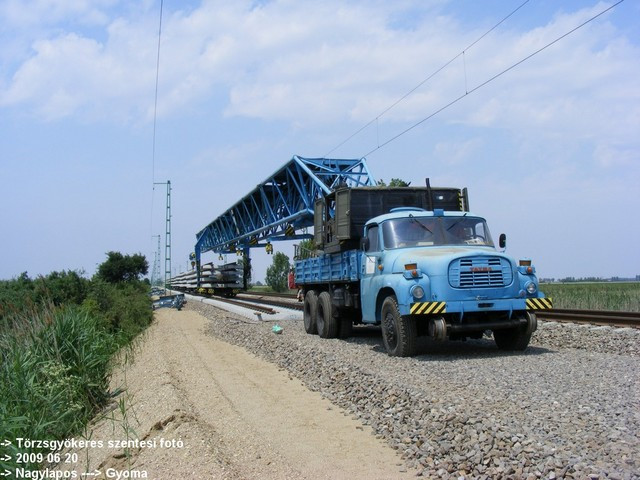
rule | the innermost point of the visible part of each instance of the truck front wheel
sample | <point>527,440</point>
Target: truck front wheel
<point>398,333</point>
<point>516,338</point>
<point>310,312</point>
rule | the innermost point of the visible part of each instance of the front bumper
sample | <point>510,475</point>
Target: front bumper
<point>461,307</point>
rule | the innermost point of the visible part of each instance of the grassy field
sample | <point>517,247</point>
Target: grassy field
<point>594,296</point>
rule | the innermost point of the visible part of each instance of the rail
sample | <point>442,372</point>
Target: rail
<point>593,317</point>
<point>240,303</point>
<point>270,300</point>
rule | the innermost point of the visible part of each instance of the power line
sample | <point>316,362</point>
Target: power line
<point>495,77</point>
<point>155,101</point>
<point>375,120</point>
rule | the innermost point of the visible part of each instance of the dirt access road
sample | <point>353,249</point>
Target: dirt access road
<point>197,407</point>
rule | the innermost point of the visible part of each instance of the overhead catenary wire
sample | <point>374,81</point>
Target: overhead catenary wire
<point>155,100</point>
<point>486,82</point>
<point>155,116</point>
<point>425,80</point>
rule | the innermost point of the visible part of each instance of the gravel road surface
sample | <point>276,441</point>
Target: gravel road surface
<point>194,406</point>
<point>568,407</point>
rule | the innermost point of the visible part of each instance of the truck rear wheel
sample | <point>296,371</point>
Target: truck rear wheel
<point>310,312</point>
<point>326,321</point>
<point>516,338</point>
<point>398,333</point>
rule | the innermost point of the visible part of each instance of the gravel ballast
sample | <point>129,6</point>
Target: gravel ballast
<point>568,407</point>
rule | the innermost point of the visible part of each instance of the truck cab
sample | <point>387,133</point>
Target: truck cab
<point>438,273</point>
<point>417,262</point>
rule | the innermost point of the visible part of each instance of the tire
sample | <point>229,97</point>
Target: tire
<point>310,312</point>
<point>516,339</point>
<point>398,333</point>
<point>326,320</point>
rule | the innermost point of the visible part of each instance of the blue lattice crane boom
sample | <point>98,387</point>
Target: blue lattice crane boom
<point>281,204</point>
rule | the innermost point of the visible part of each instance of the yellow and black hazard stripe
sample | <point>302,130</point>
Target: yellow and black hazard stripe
<point>539,303</point>
<point>253,241</point>
<point>428,308</point>
<point>289,231</point>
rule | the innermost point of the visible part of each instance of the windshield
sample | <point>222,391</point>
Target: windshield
<point>435,231</point>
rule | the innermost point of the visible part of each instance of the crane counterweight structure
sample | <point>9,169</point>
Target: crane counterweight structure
<point>281,204</point>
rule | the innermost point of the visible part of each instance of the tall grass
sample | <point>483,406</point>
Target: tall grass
<point>616,296</point>
<point>55,355</point>
<point>54,374</point>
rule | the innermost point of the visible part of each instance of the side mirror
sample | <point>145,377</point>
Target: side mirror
<point>365,244</point>
<point>503,241</point>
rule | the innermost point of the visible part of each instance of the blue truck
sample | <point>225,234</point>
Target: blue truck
<point>417,262</point>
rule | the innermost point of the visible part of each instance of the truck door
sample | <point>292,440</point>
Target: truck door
<point>371,276</point>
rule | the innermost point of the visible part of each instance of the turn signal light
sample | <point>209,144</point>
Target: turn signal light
<point>412,268</point>
<point>527,263</point>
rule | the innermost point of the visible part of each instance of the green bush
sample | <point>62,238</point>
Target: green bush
<point>124,309</point>
<point>122,268</point>
<point>62,288</point>
<point>277,273</point>
<point>15,296</point>
<point>59,288</point>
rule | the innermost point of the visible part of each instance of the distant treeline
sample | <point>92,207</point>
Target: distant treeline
<point>589,279</point>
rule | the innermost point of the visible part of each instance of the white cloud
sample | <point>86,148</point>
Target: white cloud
<point>313,63</point>
<point>270,79</point>
<point>27,13</point>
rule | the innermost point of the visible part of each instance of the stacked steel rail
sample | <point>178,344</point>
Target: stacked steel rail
<point>222,279</point>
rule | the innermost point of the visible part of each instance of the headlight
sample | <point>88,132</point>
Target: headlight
<point>417,291</point>
<point>531,288</point>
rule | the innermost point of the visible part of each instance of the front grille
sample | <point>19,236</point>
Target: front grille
<point>478,272</point>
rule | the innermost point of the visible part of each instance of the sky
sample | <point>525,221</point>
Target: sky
<point>549,150</point>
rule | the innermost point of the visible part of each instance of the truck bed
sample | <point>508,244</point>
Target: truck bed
<point>329,267</point>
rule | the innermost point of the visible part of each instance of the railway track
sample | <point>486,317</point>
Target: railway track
<point>256,302</point>
<point>270,294</point>
<point>239,303</point>
<point>286,300</point>
<point>591,317</point>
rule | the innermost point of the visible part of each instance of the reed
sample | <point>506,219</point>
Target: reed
<point>56,361</point>
<point>617,296</point>
<point>54,375</point>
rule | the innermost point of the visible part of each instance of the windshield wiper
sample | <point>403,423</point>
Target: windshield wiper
<point>456,223</point>
<point>414,219</point>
